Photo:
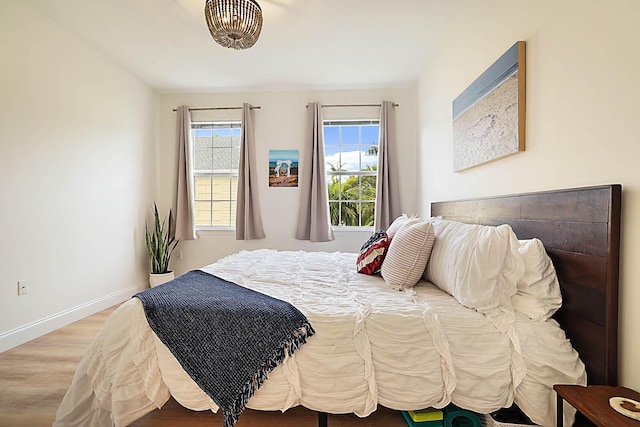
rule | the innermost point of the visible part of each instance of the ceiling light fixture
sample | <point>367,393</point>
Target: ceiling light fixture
<point>234,24</point>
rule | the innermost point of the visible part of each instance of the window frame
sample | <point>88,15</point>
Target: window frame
<point>352,173</point>
<point>227,173</point>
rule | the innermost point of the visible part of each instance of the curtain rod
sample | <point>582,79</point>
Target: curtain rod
<point>221,108</point>
<point>355,105</point>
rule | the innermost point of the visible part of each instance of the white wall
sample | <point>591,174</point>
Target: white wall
<point>280,124</point>
<point>581,122</point>
<point>77,152</point>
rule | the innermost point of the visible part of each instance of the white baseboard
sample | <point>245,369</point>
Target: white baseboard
<point>23,334</point>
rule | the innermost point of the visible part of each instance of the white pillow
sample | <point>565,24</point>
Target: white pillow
<point>538,296</point>
<point>408,254</point>
<point>399,222</point>
<point>479,266</point>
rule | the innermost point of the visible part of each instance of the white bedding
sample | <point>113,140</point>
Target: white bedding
<point>373,346</point>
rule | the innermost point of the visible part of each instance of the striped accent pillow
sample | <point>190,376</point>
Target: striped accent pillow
<point>408,255</point>
<point>372,253</point>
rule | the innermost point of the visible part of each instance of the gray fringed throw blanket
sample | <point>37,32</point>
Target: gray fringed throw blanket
<point>226,337</point>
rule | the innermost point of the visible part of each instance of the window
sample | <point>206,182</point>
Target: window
<point>351,156</point>
<point>216,156</point>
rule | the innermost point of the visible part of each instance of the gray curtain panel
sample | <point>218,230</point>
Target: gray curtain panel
<point>248,219</point>
<point>314,223</point>
<point>183,202</point>
<point>387,187</point>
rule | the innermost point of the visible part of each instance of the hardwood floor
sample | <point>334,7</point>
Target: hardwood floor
<point>35,376</point>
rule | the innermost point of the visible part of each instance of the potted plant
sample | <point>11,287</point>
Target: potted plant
<point>160,245</point>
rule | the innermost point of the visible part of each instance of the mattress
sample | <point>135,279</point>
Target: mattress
<point>373,346</point>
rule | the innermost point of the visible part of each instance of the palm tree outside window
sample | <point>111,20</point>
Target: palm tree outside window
<point>351,156</point>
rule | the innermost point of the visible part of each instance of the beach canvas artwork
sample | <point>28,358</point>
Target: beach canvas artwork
<point>283,168</point>
<point>488,116</point>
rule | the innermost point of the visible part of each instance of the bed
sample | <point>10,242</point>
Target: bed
<point>371,346</point>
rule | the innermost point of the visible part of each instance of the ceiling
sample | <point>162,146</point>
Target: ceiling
<point>305,44</point>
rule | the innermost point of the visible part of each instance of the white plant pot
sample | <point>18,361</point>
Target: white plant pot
<point>159,279</point>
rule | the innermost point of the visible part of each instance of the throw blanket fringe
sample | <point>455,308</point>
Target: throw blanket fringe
<point>250,387</point>
<point>226,337</point>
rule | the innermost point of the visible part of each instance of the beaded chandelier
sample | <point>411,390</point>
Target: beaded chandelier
<point>234,24</point>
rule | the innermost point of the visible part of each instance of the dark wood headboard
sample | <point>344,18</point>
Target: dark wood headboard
<point>580,229</point>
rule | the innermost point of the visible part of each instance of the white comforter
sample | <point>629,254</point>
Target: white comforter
<point>373,345</point>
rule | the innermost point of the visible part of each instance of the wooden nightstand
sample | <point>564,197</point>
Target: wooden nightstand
<point>593,402</point>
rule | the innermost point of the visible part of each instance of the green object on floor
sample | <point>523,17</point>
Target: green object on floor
<point>411,423</point>
<point>456,417</point>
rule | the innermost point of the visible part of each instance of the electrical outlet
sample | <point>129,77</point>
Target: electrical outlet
<point>22,287</point>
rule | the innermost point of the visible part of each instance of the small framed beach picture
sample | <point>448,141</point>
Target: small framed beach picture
<point>283,168</point>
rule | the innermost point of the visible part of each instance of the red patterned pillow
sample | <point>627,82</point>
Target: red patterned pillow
<point>372,253</point>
